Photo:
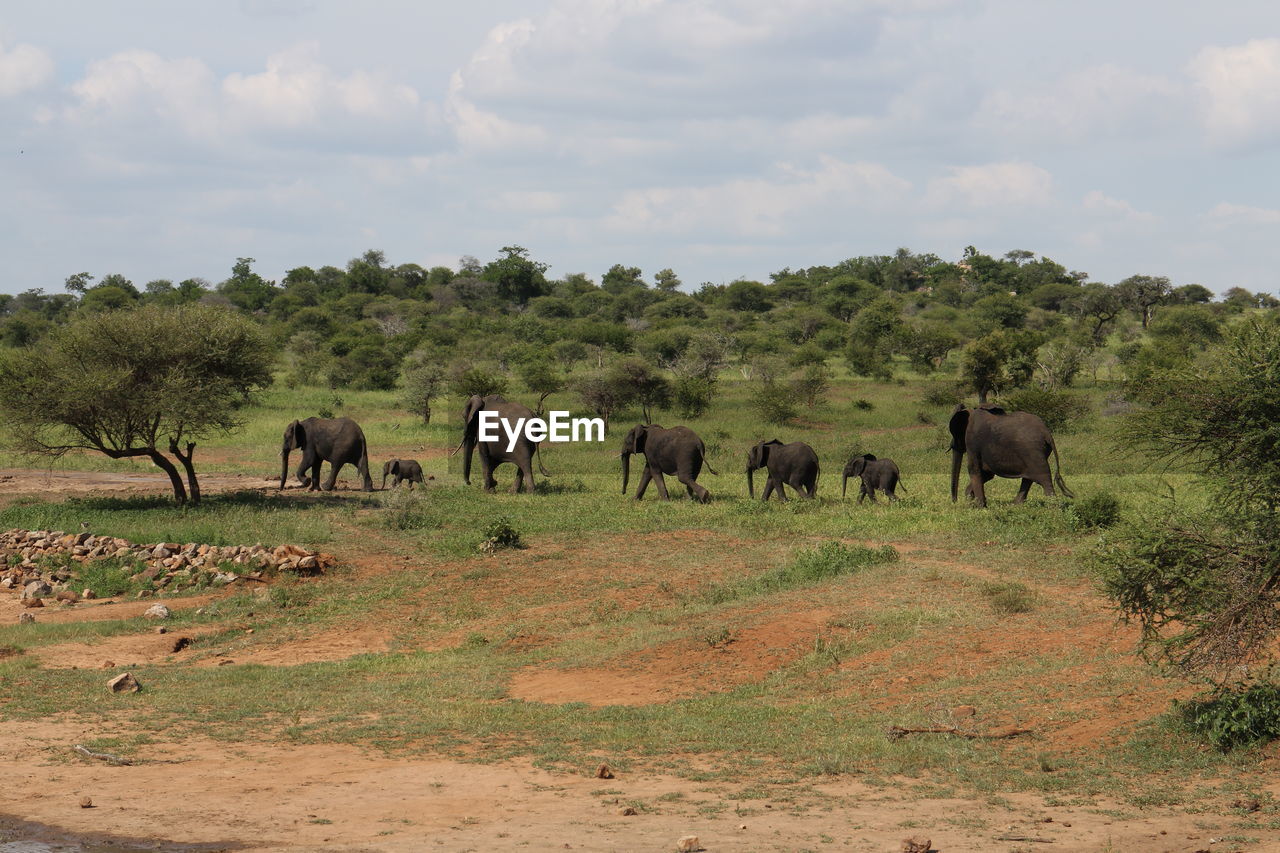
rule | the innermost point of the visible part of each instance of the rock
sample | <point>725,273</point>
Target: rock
<point>145,593</point>
<point>179,643</point>
<point>108,664</point>
<point>156,611</point>
<point>88,594</point>
<point>36,589</point>
<point>162,630</point>
<point>26,618</point>
<point>626,811</point>
<point>33,602</point>
<point>7,583</point>
<point>915,844</point>
<point>688,844</point>
<point>68,595</point>
<point>86,803</point>
<point>309,564</point>
<point>963,711</point>
<point>603,772</point>
<point>124,683</point>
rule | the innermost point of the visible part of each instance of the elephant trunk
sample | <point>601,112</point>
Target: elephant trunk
<point>468,445</point>
<point>384,477</point>
<point>844,484</point>
<point>751,484</point>
<point>284,465</point>
<point>626,471</point>
<point>956,457</point>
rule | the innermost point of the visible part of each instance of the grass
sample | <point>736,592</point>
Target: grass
<point>926,590</point>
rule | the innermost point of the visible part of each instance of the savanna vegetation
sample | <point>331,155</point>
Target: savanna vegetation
<point>897,614</point>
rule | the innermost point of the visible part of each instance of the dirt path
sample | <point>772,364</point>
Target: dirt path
<point>34,481</point>
<point>277,797</point>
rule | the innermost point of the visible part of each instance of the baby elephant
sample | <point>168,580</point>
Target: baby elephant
<point>794,464</point>
<point>876,473</point>
<point>402,469</point>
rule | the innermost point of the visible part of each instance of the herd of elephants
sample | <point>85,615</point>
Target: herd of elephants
<point>999,444</point>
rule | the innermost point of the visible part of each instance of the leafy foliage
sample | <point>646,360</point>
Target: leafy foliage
<point>1234,718</point>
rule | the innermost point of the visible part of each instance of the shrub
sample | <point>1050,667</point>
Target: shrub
<point>863,405</point>
<point>407,511</point>
<point>774,403</point>
<point>1234,718</point>
<point>942,394</point>
<point>692,395</point>
<point>499,534</point>
<point>1058,409</point>
<point>1096,511</point>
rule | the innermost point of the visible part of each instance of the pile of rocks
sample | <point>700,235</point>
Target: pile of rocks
<point>162,563</point>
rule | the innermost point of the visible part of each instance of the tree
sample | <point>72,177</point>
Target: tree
<point>542,378</point>
<point>518,278</point>
<point>1001,359</point>
<point>246,289</point>
<point>79,282</point>
<point>1100,304</point>
<point>1205,586</point>
<point>666,280</point>
<point>422,379</point>
<point>138,383</point>
<point>1143,293</point>
<point>603,394</point>
<point>467,381</point>
<point>648,387</point>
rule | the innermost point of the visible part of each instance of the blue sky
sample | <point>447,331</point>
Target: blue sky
<point>724,140</point>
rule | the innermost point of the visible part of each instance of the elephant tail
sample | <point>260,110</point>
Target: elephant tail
<point>901,484</point>
<point>544,471</point>
<point>706,461</point>
<point>1057,474</point>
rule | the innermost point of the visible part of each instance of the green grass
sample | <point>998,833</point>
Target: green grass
<point>606,581</point>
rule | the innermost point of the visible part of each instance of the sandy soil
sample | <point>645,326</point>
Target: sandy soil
<point>264,796</point>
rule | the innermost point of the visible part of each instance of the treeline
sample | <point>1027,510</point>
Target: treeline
<point>992,323</point>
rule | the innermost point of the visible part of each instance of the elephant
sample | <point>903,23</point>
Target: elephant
<point>494,453</point>
<point>882,474</point>
<point>338,441</point>
<point>795,465</point>
<point>676,451</point>
<point>402,469</point>
<point>1003,444</point>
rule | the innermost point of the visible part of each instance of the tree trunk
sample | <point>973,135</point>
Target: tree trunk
<point>192,482</point>
<point>426,411</point>
<point>179,492</point>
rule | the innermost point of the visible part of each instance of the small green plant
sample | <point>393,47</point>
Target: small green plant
<point>1096,511</point>
<point>1010,597</point>
<point>1234,718</point>
<point>408,511</point>
<point>863,405</point>
<point>499,534</point>
<point>110,577</point>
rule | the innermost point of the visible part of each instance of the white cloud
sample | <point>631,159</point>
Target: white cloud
<point>1227,215</point>
<point>1240,91</point>
<point>22,68</point>
<point>119,89</point>
<point>1102,99</point>
<point>759,207</point>
<point>992,185</point>
<point>1097,202</point>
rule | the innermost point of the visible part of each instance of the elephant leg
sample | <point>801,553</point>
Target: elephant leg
<point>525,467</point>
<point>870,489</point>
<point>804,490</point>
<point>888,493</point>
<point>517,486</point>
<point>332,480</point>
<point>777,487</point>
<point>697,492</point>
<point>660,483</point>
<point>645,477</point>
<point>976,481</point>
<point>1023,489</point>
<point>486,470</point>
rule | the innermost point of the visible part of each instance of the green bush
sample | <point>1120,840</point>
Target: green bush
<point>692,395</point>
<point>774,403</point>
<point>499,534</point>
<point>1096,511</point>
<point>1234,718</point>
<point>110,577</point>
<point>863,405</point>
<point>942,394</point>
<point>1058,409</point>
<point>1010,597</point>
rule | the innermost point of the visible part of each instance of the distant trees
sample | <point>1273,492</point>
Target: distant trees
<point>422,379</point>
<point>1143,293</point>
<point>149,382</point>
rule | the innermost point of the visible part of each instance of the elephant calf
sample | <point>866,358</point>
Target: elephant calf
<point>876,474</point>
<point>402,469</point>
<point>677,451</point>
<point>794,464</point>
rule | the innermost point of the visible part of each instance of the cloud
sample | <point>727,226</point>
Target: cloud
<point>1102,99</point>
<point>22,68</point>
<point>760,207</point>
<point>1227,215</point>
<point>993,185</point>
<point>1097,202</point>
<point>1239,90</point>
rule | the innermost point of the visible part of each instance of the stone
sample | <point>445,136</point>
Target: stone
<point>33,602</point>
<point>162,630</point>
<point>108,664</point>
<point>88,594</point>
<point>156,611</point>
<point>603,772</point>
<point>68,595</point>
<point>688,844</point>
<point>915,844</point>
<point>179,643</point>
<point>626,811</point>
<point>145,593</point>
<point>124,683</point>
<point>86,803</point>
<point>26,618</point>
<point>36,589</point>
<point>963,711</point>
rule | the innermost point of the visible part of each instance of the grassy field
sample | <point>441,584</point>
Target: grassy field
<point>729,640</point>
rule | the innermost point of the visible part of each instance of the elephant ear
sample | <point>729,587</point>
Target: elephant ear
<point>470,415</point>
<point>870,457</point>
<point>297,435</point>
<point>639,435</point>
<point>959,423</point>
<point>395,468</point>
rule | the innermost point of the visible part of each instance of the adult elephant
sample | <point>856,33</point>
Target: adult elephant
<point>677,451</point>
<point>1003,444</point>
<point>338,441</point>
<point>494,453</point>
<point>881,474</point>
<point>795,465</point>
<point>402,470</point>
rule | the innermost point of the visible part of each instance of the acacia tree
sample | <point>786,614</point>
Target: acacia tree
<point>139,383</point>
<point>422,379</point>
<point>1205,586</point>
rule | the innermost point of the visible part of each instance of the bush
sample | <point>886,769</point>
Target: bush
<point>774,403</point>
<point>1234,718</point>
<point>863,405</point>
<point>1096,511</point>
<point>692,395</point>
<point>499,534</point>
<point>808,566</point>
<point>942,394</point>
<point>407,511</point>
<point>1058,409</point>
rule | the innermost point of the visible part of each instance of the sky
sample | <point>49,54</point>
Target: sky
<point>724,139</point>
